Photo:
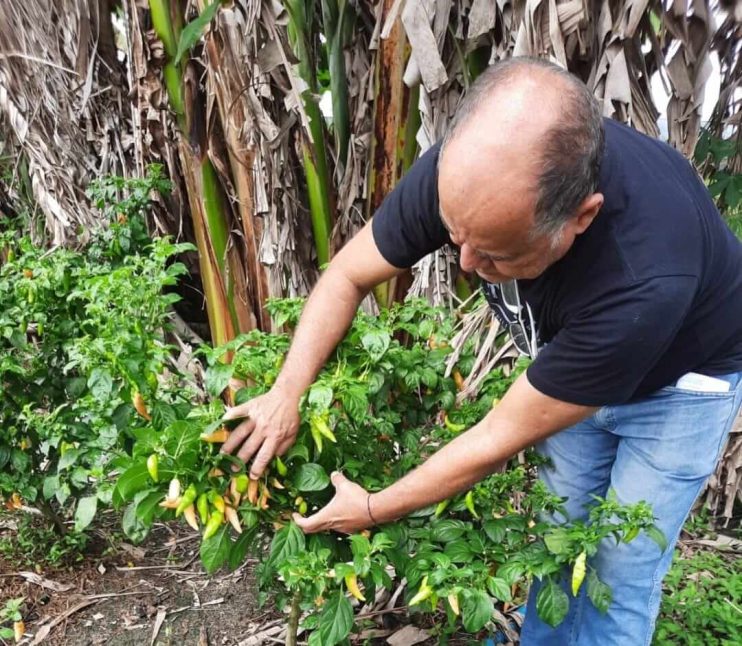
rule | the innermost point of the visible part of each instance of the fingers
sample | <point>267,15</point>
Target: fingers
<point>312,524</point>
<point>263,458</point>
<point>236,412</point>
<point>338,480</point>
<point>238,436</point>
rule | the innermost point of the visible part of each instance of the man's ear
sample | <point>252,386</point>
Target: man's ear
<point>587,211</point>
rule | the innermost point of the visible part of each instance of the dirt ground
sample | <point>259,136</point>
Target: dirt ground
<point>154,593</point>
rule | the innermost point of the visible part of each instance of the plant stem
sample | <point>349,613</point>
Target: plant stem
<point>292,626</point>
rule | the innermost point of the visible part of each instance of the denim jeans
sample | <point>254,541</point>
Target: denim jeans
<point>660,449</point>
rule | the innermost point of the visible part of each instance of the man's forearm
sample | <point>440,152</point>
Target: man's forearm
<point>326,318</point>
<point>465,460</point>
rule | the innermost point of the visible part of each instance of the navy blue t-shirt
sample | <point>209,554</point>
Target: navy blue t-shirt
<point>650,291</point>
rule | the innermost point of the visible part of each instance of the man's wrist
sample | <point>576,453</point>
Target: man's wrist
<point>289,387</point>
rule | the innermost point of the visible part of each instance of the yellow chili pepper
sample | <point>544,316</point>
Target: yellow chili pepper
<point>423,593</point>
<point>217,501</point>
<point>252,491</point>
<point>453,601</point>
<point>140,405</point>
<point>452,426</point>
<point>578,573</point>
<point>233,518</point>
<point>241,482</point>
<point>189,497</point>
<point>220,435</point>
<point>351,582</point>
<point>441,507</point>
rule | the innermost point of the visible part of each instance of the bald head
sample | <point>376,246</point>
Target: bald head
<point>527,138</point>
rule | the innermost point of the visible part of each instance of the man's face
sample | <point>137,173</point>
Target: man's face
<point>519,254</point>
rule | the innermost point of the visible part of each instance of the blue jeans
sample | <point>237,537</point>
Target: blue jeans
<point>660,449</point>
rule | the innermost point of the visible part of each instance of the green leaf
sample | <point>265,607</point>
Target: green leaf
<point>100,384</point>
<point>510,572</point>
<point>658,536</point>
<point>557,541</point>
<point>598,592</point>
<point>552,604</point>
<point>68,459</point>
<point>288,541</point>
<point>477,610</point>
<point>376,343</point>
<point>240,549</point>
<point>134,479</point>
<point>499,588</point>
<point>215,550</point>
<point>51,484</point>
<point>133,527</point>
<point>193,31</point>
<point>85,512</point>
<point>494,529</point>
<point>311,477</point>
<point>217,376</point>
<point>336,620</point>
<point>447,530</point>
<point>320,397</point>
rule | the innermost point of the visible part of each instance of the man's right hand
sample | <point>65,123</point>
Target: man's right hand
<point>270,425</point>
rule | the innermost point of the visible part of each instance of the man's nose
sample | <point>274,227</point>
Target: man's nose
<point>468,259</point>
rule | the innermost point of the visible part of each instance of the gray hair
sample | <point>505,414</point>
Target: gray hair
<point>572,148</point>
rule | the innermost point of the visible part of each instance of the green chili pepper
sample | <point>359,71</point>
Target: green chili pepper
<point>469,502</point>
<point>189,496</point>
<point>202,504</point>
<point>240,482</point>
<point>281,467</point>
<point>215,522</point>
<point>152,464</point>
<point>441,507</point>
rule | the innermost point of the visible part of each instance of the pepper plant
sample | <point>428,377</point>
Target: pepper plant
<point>381,405</point>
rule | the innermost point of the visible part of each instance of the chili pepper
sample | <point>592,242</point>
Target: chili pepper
<point>140,406</point>
<point>216,472</point>
<point>495,401</point>
<point>277,484</point>
<point>189,513</point>
<point>216,500</point>
<point>303,507</point>
<point>453,601</point>
<point>264,497</point>
<point>173,491</point>
<point>152,464</point>
<point>423,593</point>
<point>188,499</point>
<point>631,535</point>
<point>281,467</point>
<point>231,515</point>
<point>220,435</point>
<point>240,483</point>
<point>469,502</point>
<point>441,507</point>
<point>19,629</point>
<point>215,522</point>
<point>170,504</point>
<point>202,504</point>
<point>25,444</point>
<point>320,428</point>
<point>233,494</point>
<point>351,582</point>
<point>458,379</point>
<point>452,426</point>
<point>578,573</point>
<point>252,491</point>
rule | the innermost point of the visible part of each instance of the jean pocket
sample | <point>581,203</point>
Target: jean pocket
<point>697,385</point>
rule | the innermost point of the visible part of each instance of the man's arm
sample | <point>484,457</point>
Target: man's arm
<point>272,420</point>
<point>523,417</point>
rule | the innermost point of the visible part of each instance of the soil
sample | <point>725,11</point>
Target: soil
<point>156,593</point>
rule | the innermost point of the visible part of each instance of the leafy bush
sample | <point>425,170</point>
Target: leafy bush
<point>381,405</point>
<point>80,335</point>
<point>701,604</point>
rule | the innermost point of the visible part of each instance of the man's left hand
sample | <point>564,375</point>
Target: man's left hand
<point>346,513</point>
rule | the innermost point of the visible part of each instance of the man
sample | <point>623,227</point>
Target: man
<point>628,293</point>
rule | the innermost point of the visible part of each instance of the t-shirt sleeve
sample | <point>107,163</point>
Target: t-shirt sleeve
<point>407,226</point>
<point>605,349</point>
